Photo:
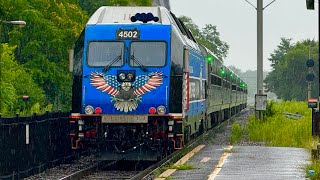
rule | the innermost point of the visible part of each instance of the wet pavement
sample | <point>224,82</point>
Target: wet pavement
<point>258,162</point>
<point>246,162</point>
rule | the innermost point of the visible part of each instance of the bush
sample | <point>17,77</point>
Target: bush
<point>236,133</point>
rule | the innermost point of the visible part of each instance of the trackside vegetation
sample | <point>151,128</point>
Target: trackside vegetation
<point>277,129</point>
<point>237,132</point>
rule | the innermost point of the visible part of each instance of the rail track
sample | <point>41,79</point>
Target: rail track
<point>105,170</point>
<point>94,172</point>
<point>91,168</point>
<point>151,171</point>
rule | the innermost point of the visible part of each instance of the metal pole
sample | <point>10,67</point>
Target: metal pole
<point>260,46</point>
<point>259,52</point>
<point>309,90</point>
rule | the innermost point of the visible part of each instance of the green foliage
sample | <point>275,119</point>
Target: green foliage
<point>315,165</point>
<point>271,111</point>
<point>182,167</point>
<point>277,130</point>
<point>14,82</point>
<point>208,36</point>
<point>41,48</point>
<point>288,77</point>
<point>236,133</point>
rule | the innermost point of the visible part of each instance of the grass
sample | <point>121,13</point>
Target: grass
<point>277,130</point>
<point>178,167</point>
<point>236,133</point>
<point>182,167</point>
<point>314,166</point>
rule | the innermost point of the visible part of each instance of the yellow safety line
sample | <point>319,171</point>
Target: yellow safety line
<point>181,161</point>
<point>205,159</point>
<point>218,167</point>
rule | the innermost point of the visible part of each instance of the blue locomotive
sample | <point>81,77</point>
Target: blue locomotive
<point>143,86</point>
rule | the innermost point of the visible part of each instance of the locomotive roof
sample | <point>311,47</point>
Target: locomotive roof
<point>122,14</point>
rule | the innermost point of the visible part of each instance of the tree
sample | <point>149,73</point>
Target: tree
<point>279,53</point>
<point>14,82</point>
<point>52,28</point>
<point>288,77</point>
<point>208,36</point>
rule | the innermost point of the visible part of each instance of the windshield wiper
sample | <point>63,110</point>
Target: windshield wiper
<point>107,67</point>
<point>139,63</point>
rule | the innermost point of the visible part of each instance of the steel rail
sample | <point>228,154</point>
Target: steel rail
<point>87,171</point>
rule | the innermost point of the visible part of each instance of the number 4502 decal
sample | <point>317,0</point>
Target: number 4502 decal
<point>127,34</point>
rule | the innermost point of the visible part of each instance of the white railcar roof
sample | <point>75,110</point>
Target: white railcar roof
<point>122,15</point>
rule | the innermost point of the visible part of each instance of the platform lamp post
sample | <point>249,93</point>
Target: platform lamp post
<point>16,23</point>
<point>25,99</point>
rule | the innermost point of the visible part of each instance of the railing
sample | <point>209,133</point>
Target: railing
<point>29,145</point>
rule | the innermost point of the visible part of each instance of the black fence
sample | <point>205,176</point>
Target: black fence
<point>29,145</point>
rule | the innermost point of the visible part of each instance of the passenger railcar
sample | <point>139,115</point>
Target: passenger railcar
<point>143,86</point>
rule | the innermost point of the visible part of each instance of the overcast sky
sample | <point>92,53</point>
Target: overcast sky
<point>236,20</point>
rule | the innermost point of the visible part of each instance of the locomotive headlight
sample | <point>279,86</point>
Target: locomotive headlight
<point>122,76</point>
<point>89,110</point>
<point>161,110</point>
<point>130,76</point>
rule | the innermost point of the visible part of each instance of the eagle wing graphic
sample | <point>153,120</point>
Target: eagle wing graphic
<point>146,83</point>
<point>108,84</point>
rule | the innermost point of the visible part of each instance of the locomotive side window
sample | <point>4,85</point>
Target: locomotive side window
<point>104,53</point>
<point>78,55</point>
<point>195,93</point>
<point>149,54</point>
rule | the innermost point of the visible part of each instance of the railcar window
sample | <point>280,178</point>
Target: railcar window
<point>228,85</point>
<point>150,54</point>
<point>212,79</point>
<point>218,81</point>
<point>234,87</point>
<point>215,80</point>
<point>224,83</point>
<point>103,53</point>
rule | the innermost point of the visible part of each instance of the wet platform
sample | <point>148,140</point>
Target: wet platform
<point>245,162</point>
